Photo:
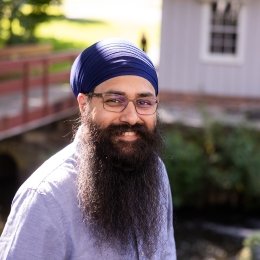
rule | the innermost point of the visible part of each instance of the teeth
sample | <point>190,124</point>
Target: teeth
<point>129,133</point>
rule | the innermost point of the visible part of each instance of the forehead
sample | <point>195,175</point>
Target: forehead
<point>128,84</point>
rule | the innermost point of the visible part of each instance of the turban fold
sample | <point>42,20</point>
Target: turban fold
<point>108,59</point>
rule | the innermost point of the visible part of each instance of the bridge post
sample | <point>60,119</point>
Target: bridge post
<point>25,85</point>
<point>45,84</point>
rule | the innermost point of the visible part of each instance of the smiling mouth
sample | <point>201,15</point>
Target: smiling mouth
<point>128,136</point>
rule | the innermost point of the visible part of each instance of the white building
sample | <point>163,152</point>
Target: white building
<point>211,47</point>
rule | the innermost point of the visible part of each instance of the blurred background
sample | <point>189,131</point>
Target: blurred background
<point>206,53</point>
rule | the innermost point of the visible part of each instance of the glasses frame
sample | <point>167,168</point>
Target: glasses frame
<point>101,95</point>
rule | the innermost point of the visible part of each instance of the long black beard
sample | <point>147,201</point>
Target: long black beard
<point>119,186</point>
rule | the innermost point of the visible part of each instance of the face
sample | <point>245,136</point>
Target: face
<point>130,86</point>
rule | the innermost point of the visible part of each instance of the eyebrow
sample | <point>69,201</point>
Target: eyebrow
<point>146,94</point>
<point>115,92</point>
<point>143,94</point>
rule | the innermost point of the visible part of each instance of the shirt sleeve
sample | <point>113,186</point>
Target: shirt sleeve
<point>34,229</point>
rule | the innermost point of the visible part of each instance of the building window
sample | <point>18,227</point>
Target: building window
<point>223,35</point>
<point>223,26</point>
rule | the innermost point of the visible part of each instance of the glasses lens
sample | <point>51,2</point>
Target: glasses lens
<point>146,106</point>
<point>114,102</point>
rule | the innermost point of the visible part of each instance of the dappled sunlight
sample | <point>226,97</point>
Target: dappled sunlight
<point>125,19</point>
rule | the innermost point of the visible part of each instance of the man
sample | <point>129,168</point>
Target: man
<point>106,195</point>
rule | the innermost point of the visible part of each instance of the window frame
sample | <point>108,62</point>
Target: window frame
<point>223,58</point>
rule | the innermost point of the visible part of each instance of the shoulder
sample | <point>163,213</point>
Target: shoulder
<point>46,196</point>
<point>54,179</point>
<point>55,170</point>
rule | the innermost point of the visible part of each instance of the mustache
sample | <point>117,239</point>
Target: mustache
<point>119,129</point>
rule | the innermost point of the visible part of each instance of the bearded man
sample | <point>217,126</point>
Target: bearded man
<point>106,195</point>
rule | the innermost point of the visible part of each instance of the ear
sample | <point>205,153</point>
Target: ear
<point>81,98</point>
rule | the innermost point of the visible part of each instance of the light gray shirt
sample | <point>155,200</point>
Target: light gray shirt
<point>45,221</point>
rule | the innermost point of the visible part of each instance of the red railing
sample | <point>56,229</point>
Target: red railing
<point>18,80</point>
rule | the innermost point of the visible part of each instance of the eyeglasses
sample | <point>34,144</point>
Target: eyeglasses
<point>117,103</point>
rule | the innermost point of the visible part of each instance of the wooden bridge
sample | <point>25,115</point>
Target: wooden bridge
<point>34,92</point>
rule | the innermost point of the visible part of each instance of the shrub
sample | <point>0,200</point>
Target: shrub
<point>184,161</point>
<point>214,165</point>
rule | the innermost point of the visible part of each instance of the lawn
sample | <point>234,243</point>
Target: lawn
<point>95,20</point>
<point>78,33</point>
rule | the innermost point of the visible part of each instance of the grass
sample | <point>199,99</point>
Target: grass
<point>77,34</point>
<point>66,34</point>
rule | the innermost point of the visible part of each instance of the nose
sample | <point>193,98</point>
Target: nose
<point>129,114</point>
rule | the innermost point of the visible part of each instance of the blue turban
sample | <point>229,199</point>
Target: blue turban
<point>108,59</point>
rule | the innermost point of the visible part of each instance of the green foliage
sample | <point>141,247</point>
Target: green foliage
<point>214,165</point>
<point>64,33</point>
<point>184,161</point>
<point>20,18</point>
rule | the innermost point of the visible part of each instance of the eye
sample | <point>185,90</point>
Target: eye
<point>114,100</point>
<point>145,102</point>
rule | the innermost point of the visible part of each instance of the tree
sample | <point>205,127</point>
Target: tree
<point>18,26</point>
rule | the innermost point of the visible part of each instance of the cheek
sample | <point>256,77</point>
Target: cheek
<point>103,118</point>
<point>150,122</point>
